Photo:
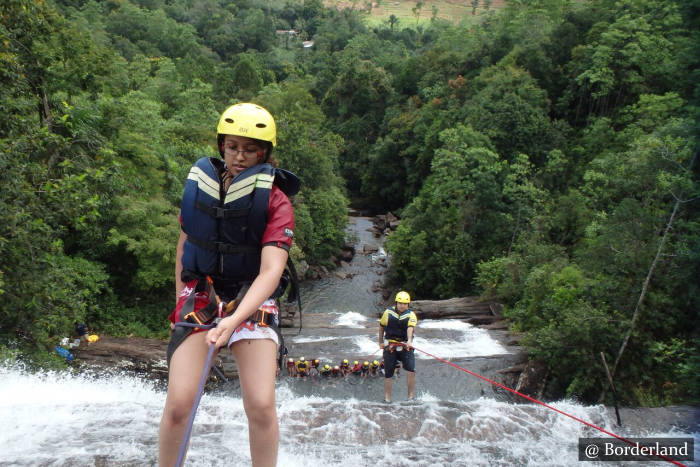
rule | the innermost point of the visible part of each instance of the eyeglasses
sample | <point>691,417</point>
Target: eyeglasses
<point>247,152</point>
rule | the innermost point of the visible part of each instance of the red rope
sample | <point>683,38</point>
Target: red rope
<point>531,399</point>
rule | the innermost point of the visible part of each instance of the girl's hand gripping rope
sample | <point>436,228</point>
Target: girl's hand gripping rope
<point>220,335</point>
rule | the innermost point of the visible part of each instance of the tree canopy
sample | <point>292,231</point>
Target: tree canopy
<point>542,154</point>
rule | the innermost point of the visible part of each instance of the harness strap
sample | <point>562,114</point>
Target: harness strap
<point>221,213</point>
<point>267,320</point>
<point>294,291</point>
<point>191,319</point>
<point>222,247</point>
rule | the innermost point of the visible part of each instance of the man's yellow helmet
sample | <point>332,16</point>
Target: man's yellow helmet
<point>249,120</point>
<point>403,297</point>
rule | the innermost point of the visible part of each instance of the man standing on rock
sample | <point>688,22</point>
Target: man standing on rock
<point>397,325</point>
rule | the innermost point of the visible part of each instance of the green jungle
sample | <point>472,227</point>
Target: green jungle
<point>541,154</point>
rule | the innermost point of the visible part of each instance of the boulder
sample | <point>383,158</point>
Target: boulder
<point>366,249</point>
<point>128,354</point>
<point>347,255</point>
<point>533,379</point>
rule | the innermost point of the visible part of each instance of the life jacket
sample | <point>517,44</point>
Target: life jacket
<point>224,229</point>
<point>396,328</point>
<point>301,366</point>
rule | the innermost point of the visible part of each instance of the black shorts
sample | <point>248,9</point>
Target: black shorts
<point>406,357</point>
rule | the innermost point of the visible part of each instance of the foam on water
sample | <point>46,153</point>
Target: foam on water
<point>351,319</point>
<point>67,420</point>
<point>474,344</point>
<point>309,339</point>
<point>452,324</point>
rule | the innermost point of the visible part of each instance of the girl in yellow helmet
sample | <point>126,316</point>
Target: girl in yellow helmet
<point>237,227</point>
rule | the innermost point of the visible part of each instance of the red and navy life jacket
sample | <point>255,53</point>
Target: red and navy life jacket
<point>225,228</point>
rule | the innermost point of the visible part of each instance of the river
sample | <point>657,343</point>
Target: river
<point>85,419</point>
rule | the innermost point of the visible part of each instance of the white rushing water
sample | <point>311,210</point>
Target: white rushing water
<point>67,420</point>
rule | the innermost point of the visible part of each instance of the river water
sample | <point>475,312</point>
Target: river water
<point>84,419</point>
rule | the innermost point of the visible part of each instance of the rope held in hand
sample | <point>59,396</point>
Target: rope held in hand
<point>186,438</point>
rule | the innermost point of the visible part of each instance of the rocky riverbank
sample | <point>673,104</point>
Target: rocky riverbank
<point>146,357</point>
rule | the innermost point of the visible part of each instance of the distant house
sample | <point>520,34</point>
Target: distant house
<point>287,35</point>
<point>289,32</point>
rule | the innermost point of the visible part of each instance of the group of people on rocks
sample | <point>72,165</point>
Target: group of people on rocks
<point>303,367</point>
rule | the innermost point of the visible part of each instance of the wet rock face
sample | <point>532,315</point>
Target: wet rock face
<point>125,354</point>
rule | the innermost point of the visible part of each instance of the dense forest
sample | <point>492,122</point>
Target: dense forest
<point>542,155</point>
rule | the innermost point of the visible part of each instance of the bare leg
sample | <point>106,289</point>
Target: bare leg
<point>387,388</point>
<point>256,359</point>
<point>411,381</point>
<point>186,367</point>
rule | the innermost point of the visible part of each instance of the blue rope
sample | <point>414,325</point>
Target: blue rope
<point>198,397</point>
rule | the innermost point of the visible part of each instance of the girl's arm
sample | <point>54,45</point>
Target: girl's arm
<point>179,285</point>
<point>272,263</point>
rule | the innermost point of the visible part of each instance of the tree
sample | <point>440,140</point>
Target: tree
<point>417,9</point>
<point>246,75</point>
<point>442,237</point>
<point>393,21</point>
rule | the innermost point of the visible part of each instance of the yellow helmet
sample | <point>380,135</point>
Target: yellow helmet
<point>403,297</point>
<point>366,363</point>
<point>375,363</point>
<point>355,362</point>
<point>249,120</point>
<point>326,366</point>
<point>345,360</point>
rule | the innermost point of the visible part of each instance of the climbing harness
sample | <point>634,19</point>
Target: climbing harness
<point>195,310</point>
<point>532,399</point>
<point>397,346</point>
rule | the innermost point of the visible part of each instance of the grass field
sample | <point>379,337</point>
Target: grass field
<point>451,10</point>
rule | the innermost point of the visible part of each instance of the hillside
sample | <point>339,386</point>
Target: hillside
<point>408,14</point>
